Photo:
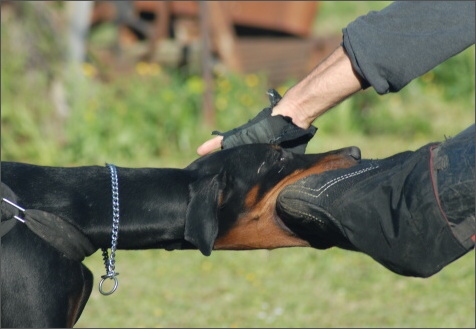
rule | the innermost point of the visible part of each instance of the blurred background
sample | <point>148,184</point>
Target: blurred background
<point>143,84</point>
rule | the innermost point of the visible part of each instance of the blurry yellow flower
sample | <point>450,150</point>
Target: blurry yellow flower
<point>281,90</point>
<point>251,80</point>
<point>89,116</point>
<point>253,279</point>
<point>246,100</point>
<point>89,70</point>
<point>195,85</point>
<point>145,68</point>
<point>224,85</point>
<point>221,103</point>
<point>250,277</point>
<point>142,68</point>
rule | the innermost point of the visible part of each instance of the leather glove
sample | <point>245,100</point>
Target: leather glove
<point>386,209</point>
<point>265,128</point>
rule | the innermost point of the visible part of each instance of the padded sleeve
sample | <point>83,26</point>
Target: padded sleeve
<point>390,48</point>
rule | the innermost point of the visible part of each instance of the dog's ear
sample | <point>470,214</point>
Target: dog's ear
<point>201,223</point>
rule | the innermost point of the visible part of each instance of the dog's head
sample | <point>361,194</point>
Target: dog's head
<point>233,200</point>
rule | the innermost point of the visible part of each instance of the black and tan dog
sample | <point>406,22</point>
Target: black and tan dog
<point>225,200</point>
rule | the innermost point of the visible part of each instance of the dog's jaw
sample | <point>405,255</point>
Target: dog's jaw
<point>259,226</point>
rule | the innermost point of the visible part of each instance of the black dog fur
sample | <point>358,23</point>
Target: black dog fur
<point>221,201</point>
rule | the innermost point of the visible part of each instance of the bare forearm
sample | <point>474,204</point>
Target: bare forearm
<point>332,81</point>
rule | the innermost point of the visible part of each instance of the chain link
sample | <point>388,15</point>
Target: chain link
<point>110,262</point>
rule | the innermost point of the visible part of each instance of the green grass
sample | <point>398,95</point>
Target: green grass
<point>332,16</point>
<point>293,287</point>
<point>152,117</point>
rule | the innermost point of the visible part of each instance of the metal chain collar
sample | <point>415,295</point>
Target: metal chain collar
<point>109,262</point>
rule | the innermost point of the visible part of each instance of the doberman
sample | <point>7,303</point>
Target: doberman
<point>225,200</point>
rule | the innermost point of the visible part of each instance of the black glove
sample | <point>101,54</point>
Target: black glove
<point>386,209</point>
<point>265,128</point>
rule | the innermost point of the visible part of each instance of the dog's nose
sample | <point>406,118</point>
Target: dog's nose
<point>354,152</point>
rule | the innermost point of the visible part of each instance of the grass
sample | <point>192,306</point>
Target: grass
<point>280,288</point>
<point>152,117</point>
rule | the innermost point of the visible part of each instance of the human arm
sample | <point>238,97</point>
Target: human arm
<point>403,41</point>
<point>385,50</point>
<point>332,81</point>
<point>397,210</point>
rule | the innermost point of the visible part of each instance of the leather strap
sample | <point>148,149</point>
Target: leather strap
<point>7,226</point>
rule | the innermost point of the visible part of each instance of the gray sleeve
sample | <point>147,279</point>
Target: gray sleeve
<point>390,48</point>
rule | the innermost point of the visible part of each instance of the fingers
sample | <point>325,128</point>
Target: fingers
<point>210,145</point>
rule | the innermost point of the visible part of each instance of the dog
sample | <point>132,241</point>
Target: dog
<point>222,201</point>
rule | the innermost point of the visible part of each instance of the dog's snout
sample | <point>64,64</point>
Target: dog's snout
<point>354,152</point>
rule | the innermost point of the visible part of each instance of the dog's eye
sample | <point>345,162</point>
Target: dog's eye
<point>285,155</point>
<point>278,157</point>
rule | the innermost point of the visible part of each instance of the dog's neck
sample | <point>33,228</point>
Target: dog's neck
<point>152,203</point>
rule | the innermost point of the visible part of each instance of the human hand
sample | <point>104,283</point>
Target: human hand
<point>264,128</point>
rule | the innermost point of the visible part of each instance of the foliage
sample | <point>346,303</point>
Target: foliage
<point>118,121</point>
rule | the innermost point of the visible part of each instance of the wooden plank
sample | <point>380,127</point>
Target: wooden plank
<point>293,17</point>
<point>279,58</point>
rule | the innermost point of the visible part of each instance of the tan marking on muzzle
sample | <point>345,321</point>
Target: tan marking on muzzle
<point>259,227</point>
